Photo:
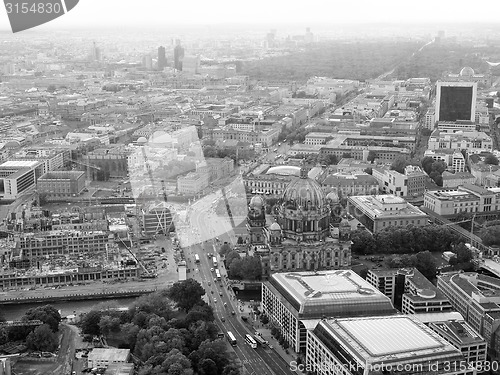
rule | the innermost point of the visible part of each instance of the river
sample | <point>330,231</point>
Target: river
<point>14,312</point>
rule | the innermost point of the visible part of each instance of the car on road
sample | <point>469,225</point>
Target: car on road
<point>211,269</point>
<point>209,283</point>
<point>233,313</point>
<point>222,319</point>
<point>244,318</point>
<point>220,294</point>
<point>215,300</point>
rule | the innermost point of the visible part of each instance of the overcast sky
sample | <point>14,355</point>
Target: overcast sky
<point>202,12</point>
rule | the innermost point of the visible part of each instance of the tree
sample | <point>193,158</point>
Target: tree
<point>490,235</point>
<point>491,159</point>
<point>368,170</point>
<point>108,324</point>
<point>426,264</point>
<point>207,367</point>
<point>176,363</point>
<point>264,319</point>
<point>346,155</point>
<point>426,132</point>
<point>186,294</point>
<point>42,339</point>
<point>231,369</point>
<point>248,268</point>
<point>47,314</point>
<point>240,240</point>
<point>427,162</point>
<point>438,166</point>
<point>230,257</point>
<point>214,350</point>
<point>224,249</point>
<point>89,323</point>
<point>200,312</point>
<point>399,165</point>
<point>372,155</point>
<point>153,303</point>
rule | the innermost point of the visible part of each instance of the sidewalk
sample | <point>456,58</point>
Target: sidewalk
<point>256,326</point>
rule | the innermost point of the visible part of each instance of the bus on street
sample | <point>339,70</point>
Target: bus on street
<point>196,258</point>
<point>214,261</point>
<point>217,274</point>
<point>251,341</point>
<point>231,338</point>
<point>260,340</point>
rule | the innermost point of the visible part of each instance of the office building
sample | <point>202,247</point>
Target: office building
<point>162,58</point>
<point>381,211</point>
<point>411,183</point>
<point>409,290</point>
<point>147,62</point>
<point>471,141</point>
<point>178,55</point>
<point>380,345</point>
<point>193,183</point>
<point>60,242</point>
<point>17,177</point>
<point>103,357</point>
<point>293,300</point>
<point>454,180</point>
<point>456,101</point>
<point>477,298</point>
<point>61,183</point>
<point>466,198</point>
<point>156,219</point>
<point>463,337</point>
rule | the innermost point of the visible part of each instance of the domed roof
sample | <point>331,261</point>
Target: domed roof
<point>333,197</point>
<point>345,223</point>
<point>284,170</point>
<point>467,72</point>
<point>304,193</point>
<point>142,140</point>
<point>275,226</point>
<point>257,201</point>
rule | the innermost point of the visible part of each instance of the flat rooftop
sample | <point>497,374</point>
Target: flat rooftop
<point>389,339</point>
<point>19,164</point>
<point>331,294</point>
<point>371,205</point>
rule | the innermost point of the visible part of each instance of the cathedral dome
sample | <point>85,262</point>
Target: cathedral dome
<point>304,193</point>
<point>332,197</point>
<point>257,201</point>
<point>467,72</point>
<point>142,141</point>
<point>275,226</point>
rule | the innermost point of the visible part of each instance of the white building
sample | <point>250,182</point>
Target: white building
<point>293,299</point>
<point>103,357</point>
<point>380,345</point>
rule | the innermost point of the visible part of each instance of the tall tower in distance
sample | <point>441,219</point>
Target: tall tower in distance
<point>178,55</point>
<point>456,101</point>
<point>162,58</point>
<point>95,53</point>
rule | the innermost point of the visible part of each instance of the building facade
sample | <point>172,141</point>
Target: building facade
<point>379,212</point>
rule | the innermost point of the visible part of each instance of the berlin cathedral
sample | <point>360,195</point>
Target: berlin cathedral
<point>303,236</point>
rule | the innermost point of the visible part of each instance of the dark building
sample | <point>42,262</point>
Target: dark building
<point>162,58</point>
<point>178,56</point>
<point>456,101</point>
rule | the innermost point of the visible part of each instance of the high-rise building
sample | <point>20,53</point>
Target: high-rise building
<point>95,53</point>
<point>162,59</point>
<point>456,101</point>
<point>147,62</point>
<point>178,55</point>
<point>191,64</point>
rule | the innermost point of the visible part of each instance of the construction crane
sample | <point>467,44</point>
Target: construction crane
<point>148,273</point>
<point>88,167</point>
